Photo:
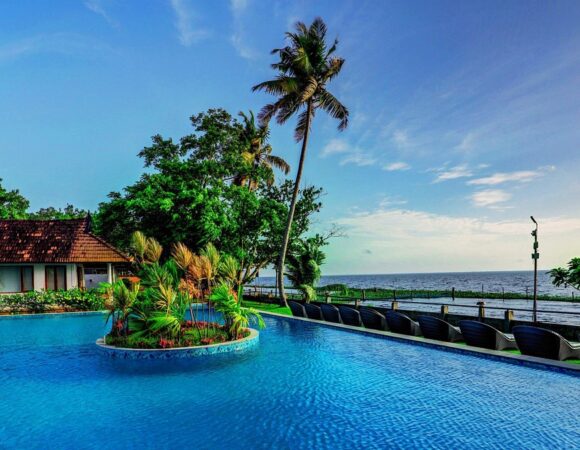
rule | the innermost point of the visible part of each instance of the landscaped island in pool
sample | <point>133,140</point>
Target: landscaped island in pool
<point>305,386</point>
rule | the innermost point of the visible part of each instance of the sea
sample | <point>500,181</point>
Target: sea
<point>521,282</point>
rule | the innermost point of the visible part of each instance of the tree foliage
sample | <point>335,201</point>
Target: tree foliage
<point>188,194</point>
<point>304,265</point>
<point>13,205</point>
<point>569,276</point>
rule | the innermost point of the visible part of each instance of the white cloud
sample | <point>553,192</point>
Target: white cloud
<point>452,173</point>
<point>466,143</point>
<point>400,138</point>
<point>490,198</point>
<point>396,166</point>
<point>359,159</point>
<point>97,7</point>
<point>522,176</point>
<point>238,39</point>
<point>404,240</point>
<point>335,146</point>
<point>185,18</point>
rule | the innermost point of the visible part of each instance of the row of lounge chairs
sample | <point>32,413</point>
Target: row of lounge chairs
<point>532,341</point>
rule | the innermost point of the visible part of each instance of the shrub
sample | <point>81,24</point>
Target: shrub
<point>42,301</point>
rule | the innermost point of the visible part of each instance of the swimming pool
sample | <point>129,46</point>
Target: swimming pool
<point>305,386</point>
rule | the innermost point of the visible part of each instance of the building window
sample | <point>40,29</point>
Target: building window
<point>16,279</point>
<point>55,278</point>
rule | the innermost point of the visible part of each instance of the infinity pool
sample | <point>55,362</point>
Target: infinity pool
<point>306,386</point>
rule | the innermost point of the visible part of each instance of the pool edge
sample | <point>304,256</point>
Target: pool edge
<point>521,360</point>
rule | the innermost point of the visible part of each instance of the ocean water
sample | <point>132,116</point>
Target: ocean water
<point>515,281</point>
<point>305,386</point>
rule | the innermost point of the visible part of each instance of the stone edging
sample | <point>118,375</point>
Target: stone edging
<point>240,345</point>
<point>523,360</point>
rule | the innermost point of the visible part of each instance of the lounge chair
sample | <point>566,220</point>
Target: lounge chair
<point>402,324</point>
<point>479,334</point>
<point>434,328</point>
<point>544,343</point>
<point>350,316</point>
<point>373,319</point>
<point>297,309</point>
<point>330,313</point>
<point>313,312</point>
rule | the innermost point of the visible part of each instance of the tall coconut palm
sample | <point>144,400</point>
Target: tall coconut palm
<point>258,153</point>
<point>306,65</point>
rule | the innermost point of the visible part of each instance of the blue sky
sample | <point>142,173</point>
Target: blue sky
<point>465,116</point>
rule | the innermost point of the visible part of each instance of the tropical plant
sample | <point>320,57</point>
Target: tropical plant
<point>567,276</point>
<point>120,305</point>
<point>236,316</point>
<point>258,153</point>
<point>305,67</point>
<point>304,267</point>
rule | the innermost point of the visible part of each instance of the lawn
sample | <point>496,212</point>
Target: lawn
<point>268,307</point>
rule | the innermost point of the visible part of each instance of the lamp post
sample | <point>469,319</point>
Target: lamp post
<point>535,257</point>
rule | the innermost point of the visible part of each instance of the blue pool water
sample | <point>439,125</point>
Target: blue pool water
<point>306,386</point>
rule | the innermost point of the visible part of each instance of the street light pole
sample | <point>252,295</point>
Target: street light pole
<point>535,257</point>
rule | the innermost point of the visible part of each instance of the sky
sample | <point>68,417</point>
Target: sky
<point>465,116</point>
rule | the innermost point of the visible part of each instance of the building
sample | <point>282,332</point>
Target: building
<point>55,254</point>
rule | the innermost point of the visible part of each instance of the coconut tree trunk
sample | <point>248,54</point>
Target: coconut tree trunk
<point>284,249</point>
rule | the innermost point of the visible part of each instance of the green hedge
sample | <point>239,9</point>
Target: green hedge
<point>72,300</point>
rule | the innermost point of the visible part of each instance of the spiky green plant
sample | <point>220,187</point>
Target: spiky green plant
<point>304,267</point>
<point>236,316</point>
<point>120,305</point>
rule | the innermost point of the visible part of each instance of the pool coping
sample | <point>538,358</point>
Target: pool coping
<point>51,314</point>
<point>522,360</point>
<point>236,346</point>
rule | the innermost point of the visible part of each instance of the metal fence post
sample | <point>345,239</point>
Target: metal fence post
<point>481,312</point>
<point>508,318</point>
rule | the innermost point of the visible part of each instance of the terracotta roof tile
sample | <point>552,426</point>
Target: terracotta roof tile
<point>54,241</point>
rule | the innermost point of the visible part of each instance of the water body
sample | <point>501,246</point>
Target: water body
<point>520,282</point>
<point>305,386</point>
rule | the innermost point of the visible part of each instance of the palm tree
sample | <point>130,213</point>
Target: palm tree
<point>304,267</point>
<point>258,153</point>
<point>305,67</point>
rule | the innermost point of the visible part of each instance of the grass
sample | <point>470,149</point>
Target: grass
<point>268,307</point>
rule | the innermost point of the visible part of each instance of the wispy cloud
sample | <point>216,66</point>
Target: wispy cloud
<point>96,6</point>
<point>466,143</point>
<point>396,166</point>
<point>452,173</point>
<point>490,198</point>
<point>360,159</point>
<point>185,23</point>
<point>335,146</point>
<point>351,154</point>
<point>522,176</point>
<point>61,43</point>
<point>400,138</point>
<point>238,38</point>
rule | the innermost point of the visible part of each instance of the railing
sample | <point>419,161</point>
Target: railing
<point>480,307</point>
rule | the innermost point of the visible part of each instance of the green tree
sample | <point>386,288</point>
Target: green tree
<point>188,195</point>
<point>50,213</point>
<point>304,266</point>
<point>258,152</point>
<point>13,205</point>
<point>305,67</point>
<point>569,276</point>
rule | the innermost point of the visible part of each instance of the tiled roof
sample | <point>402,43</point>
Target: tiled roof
<point>54,241</point>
